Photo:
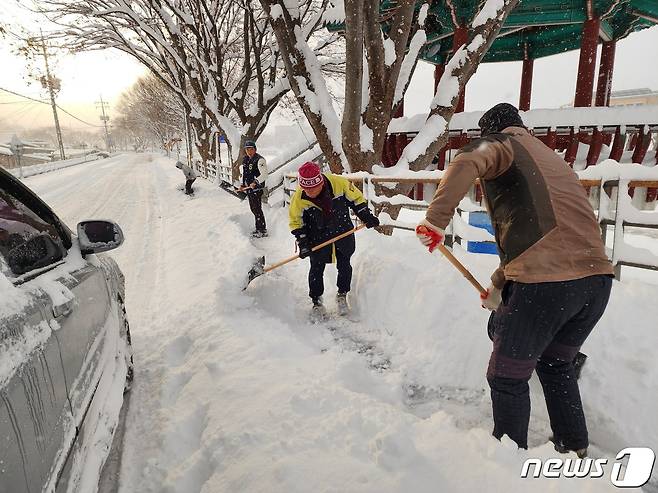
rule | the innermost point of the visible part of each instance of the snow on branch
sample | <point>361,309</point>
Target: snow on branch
<point>417,43</point>
<point>434,134</point>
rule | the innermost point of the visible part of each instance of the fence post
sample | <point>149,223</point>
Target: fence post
<point>622,188</point>
<point>366,190</point>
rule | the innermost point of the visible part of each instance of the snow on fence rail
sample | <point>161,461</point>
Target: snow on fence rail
<point>614,209</point>
<point>621,133</point>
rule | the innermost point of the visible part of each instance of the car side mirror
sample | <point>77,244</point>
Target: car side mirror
<point>99,236</point>
<point>39,251</point>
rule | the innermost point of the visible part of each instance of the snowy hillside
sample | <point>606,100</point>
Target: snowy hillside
<point>236,391</point>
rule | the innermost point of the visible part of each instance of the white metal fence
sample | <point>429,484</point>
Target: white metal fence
<point>615,211</point>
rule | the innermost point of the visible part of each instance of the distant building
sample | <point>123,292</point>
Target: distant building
<point>633,96</point>
<point>34,152</point>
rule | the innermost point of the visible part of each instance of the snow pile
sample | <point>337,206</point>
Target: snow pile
<point>236,391</point>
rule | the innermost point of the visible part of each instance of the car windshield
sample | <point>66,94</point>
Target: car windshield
<point>18,224</point>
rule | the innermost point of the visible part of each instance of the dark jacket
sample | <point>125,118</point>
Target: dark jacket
<point>308,218</point>
<point>545,227</point>
<point>254,170</point>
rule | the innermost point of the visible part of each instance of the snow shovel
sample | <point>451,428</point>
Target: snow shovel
<point>259,267</point>
<point>453,260</point>
<point>227,187</point>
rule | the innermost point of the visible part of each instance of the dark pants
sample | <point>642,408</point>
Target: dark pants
<point>256,206</point>
<point>316,275</point>
<point>188,186</point>
<point>542,326</point>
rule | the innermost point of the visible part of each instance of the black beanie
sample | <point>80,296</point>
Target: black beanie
<point>500,117</point>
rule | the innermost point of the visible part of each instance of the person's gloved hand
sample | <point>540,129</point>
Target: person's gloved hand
<point>304,251</point>
<point>302,243</point>
<point>429,235</point>
<point>491,301</point>
<point>370,220</point>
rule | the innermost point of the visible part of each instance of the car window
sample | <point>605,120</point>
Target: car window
<point>27,241</point>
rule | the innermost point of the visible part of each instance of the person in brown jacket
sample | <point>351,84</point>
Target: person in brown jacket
<point>554,279</point>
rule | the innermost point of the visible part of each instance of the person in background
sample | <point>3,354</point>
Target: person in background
<point>554,279</point>
<point>254,174</point>
<point>190,176</point>
<point>320,211</point>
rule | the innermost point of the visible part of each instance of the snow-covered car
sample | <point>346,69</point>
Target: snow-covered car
<point>65,356</point>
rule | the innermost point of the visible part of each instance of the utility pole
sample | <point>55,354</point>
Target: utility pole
<point>104,118</point>
<point>50,82</point>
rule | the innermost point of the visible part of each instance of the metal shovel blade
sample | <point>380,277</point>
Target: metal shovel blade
<point>227,187</point>
<point>255,271</point>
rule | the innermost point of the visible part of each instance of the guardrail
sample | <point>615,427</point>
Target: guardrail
<point>615,210</point>
<point>211,170</point>
<point>37,169</point>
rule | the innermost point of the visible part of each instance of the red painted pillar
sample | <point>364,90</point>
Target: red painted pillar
<point>572,149</point>
<point>442,157</point>
<point>551,138</point>
<point>606,67</point>
<point>526,85</point>
<point>595,147</point>
<point>585,77</point>
<point>392,142</point>
<point>641,146</point>
<point>526,80</point>
<point>618,145</point>
<point>459,38</point>
<point>603,90</point>
<point>587,63</point>
<point>438,73</point>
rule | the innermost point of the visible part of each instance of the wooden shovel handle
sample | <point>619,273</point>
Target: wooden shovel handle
<point>316,248</point>
<point>437,243</point>
<point>460,267</point>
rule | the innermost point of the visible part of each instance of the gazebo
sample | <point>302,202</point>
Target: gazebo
<point>539,28</point>
<point>535,29</point>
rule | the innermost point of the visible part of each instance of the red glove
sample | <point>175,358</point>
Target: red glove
<point>429,235</point>
<point>492,299</point>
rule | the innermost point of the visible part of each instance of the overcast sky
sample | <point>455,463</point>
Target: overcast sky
<point>88,75</point>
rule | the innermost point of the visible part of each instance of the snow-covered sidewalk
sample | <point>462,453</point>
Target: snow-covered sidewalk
<point>236,391</point>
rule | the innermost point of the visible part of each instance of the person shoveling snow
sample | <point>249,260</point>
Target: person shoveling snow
<point>554,278</point>
<point>254,174</point>
<point>190,176</point>
<point>319,211</point>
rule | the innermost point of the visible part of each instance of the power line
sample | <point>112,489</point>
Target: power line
<point>79,119</point>
<point>23,96</point>
<point>48,103</point>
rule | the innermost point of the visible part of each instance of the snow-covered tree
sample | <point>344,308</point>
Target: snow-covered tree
<point>215,55</point>
<point>381,54</point>
<point>218,56</point>
<point>150,109</point>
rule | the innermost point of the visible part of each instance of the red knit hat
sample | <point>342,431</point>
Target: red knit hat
<point>310,175</point>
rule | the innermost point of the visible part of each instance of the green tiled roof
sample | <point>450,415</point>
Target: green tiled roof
<point>546,27</point>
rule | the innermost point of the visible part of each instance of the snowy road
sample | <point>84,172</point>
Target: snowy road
<point>236,391</point>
